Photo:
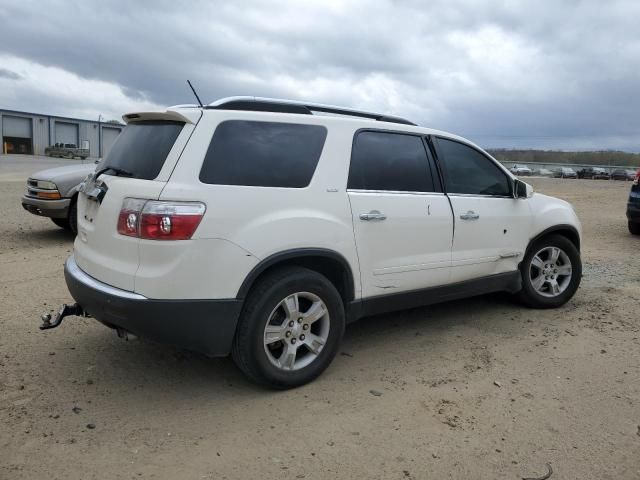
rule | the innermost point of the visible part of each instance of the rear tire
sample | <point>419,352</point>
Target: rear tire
<point>634,228</point>
<point>290,328</point>
<point>551,272</point>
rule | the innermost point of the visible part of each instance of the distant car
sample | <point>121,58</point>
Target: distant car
<point>543,172</point>
<point>622,174</point>
<point>66,150</point>
<point>633,206</point>
<point>53,192</point>
<point>564,172</point>
<point>520,170</point>
<point>593,172</point>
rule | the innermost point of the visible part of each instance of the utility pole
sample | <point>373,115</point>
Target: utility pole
<point>99,136</point>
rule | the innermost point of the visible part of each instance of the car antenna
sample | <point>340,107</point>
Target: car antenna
<point>194,92</point>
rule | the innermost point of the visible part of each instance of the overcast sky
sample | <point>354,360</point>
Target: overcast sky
<point>543,74</point>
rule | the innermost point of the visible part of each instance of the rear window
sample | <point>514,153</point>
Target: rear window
<point>263,154</point>
<point>142,147</point>
<point>390,162</point>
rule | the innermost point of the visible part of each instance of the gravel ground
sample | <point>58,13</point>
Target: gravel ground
<point>475,389</point>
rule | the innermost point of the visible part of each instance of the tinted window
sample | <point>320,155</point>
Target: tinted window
<point>468,171</point>
<point>263,154</point>
<point>389,161</point>
<point>142,147</point>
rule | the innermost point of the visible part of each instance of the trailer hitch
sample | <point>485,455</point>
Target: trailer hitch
<point>66,310</point>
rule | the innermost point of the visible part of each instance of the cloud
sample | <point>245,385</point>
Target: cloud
<point>539,74</point>
<point>56,91</point>
<point>8,74</point>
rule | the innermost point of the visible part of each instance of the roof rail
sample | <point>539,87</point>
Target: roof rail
<point>260,104</point>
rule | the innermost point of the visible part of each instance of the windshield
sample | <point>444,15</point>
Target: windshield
<point>142,148</point>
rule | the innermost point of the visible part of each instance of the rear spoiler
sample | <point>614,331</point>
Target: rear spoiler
<point>186,116</point>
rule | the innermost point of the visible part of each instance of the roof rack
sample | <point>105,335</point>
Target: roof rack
<point>260,104</point>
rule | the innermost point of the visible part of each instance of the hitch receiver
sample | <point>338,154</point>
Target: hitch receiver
<point>66,310</point>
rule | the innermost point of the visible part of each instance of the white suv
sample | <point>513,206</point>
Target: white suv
<point>259,227</point>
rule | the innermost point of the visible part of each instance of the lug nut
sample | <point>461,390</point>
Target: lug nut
<point>302,337</point>
<point>293,340</point>
<point>305,327</point>
<point>291,323</point>
<point>300,320</point>
<point>288,334</point>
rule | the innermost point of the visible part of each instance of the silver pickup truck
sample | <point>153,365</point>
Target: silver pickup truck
<point>52,193</point>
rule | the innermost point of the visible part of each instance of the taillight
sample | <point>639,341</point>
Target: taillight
<point>636,180</point>
<point>129,217</point>
<point>157,220</point>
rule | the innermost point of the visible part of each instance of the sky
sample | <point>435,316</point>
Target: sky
<point>549,74</point>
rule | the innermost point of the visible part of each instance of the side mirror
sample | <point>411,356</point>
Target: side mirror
<point>523,190</point>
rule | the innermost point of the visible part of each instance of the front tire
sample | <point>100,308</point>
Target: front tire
<point>62,223</point>
<point>551,272</point>
<point>290,328</point>
<point>634,228</point>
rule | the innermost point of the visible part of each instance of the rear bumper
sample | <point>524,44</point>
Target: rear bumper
<point>205,326</point>
<point>47,208</point>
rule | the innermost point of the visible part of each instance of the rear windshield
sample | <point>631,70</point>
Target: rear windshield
<point>142,147</point>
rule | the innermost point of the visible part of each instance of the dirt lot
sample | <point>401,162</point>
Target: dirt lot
<point>567,391</point>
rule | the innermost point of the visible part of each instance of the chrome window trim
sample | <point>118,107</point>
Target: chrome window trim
<point>479,195</point>
<point>395,192</point>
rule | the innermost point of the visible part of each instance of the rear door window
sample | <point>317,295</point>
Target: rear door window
<point>386,161</point>
<point>263,154</point>
<point>142,147</point>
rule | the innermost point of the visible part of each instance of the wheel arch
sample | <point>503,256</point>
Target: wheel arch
<point>566,230</point>
<point>329,263</point>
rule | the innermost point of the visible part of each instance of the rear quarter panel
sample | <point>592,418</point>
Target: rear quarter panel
<point>262,221</point>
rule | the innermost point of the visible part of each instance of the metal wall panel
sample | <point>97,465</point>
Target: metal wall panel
<point>89,132</point>
<point>109,136</point>
<point>66,132</point>
<point>20,127</point>
<point>40,135</point>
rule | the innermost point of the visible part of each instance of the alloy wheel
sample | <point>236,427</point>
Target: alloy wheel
<point>296,331</point>
<point>550,271</point>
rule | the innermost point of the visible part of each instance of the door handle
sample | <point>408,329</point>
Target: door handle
<point>373,215</point>
<point>470,215</point>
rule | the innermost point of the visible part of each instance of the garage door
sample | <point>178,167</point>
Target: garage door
<point>109,135</point>
<point>67,133</point>
<point>17,127</point>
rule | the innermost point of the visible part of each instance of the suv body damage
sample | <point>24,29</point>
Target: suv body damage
<point>191,292</point>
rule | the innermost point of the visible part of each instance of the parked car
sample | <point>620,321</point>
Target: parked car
<point>521,170</point>
<point>66,150</point>
<point>622,174</point>
<point>53,193</point>
<point>253,227</point>
<point>543,172</point>
<point>633,206</point>
<point>594,173</point>
<point>564,172</point>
